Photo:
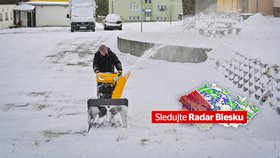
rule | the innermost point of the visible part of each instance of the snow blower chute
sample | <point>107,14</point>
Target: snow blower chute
<point>109,109</point>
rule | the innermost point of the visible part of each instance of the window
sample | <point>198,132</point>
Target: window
<point>133,17</point>
<point>161,8</point>
<point>1,17</point>
<point>148,1</point>
<point>148,14</point>
<point>11,15</point>
<point>134,7</point>
<point>138,17</point>
<point>6,16</point>
<point>129,17</point>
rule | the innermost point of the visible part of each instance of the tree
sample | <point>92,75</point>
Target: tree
<point>103,7</point>
<point>188,7</point>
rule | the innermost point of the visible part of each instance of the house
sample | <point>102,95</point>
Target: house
<point>6,13</point>
<point>24,15</point>
<point>40,13</point>
<point>264,7</point>
<point>276,8</point>
<point>153,10</point>
<point>51,12</point>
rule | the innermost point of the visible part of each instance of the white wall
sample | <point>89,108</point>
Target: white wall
<point>52,16</point>
<point>276,3</point>
<point>4,9</point>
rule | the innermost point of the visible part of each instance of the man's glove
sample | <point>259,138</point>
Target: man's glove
<point>120,72</point>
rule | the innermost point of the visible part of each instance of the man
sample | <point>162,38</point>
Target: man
<point>105,60</point>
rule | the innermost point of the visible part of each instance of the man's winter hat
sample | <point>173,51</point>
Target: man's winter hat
<point>102,47</point>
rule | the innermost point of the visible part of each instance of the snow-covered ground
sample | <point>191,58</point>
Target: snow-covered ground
<point>46,79</point>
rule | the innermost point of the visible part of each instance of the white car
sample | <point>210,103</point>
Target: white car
<point>113,21</point>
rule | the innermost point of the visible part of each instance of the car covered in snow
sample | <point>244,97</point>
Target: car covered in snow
<point>113,21</point>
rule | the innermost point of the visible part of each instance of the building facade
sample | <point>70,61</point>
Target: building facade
<point>24,15</point>
<point>32,13</point>
<point>51,13</point>
<point>6,13</point>
<point>276,8</point>
<point>264,7</point>
<point>153,10</point>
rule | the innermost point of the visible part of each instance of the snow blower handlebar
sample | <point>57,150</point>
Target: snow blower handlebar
<point>115,79</point>
<point>107,102</point>
<point>107,78</point>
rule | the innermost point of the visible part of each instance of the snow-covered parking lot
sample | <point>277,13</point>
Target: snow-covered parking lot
<point>46,78</point>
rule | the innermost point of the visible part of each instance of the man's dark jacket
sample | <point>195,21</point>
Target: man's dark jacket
<point>106,63</point>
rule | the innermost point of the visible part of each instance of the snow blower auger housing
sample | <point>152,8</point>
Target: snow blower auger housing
<point>109,109</point>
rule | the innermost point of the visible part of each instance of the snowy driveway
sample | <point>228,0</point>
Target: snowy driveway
<point>46,79</point>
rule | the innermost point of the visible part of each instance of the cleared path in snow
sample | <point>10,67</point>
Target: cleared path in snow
<point>46,78</point>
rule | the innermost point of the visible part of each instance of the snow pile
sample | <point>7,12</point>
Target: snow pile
<point>259,39</point>
<point>213,25</point>
<point>253,22</point>
<point>175,27</point>
<point>34,30</point>
<point>188,39</point>
<point>257,78</point>
<point>265,28</point>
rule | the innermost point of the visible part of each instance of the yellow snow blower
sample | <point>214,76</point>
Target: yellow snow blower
<point>109,109</point>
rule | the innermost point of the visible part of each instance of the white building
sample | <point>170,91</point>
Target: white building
<point>6,15</point>
<point>51,13</point>
<point>24,15</point>
<point>32,14</point>
<point>276,8</point>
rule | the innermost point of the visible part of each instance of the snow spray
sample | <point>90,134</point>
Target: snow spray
<point>147,54</point>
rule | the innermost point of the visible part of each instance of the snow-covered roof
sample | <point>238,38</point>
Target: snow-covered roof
<point>24,7</point>
<point>48,3</point>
